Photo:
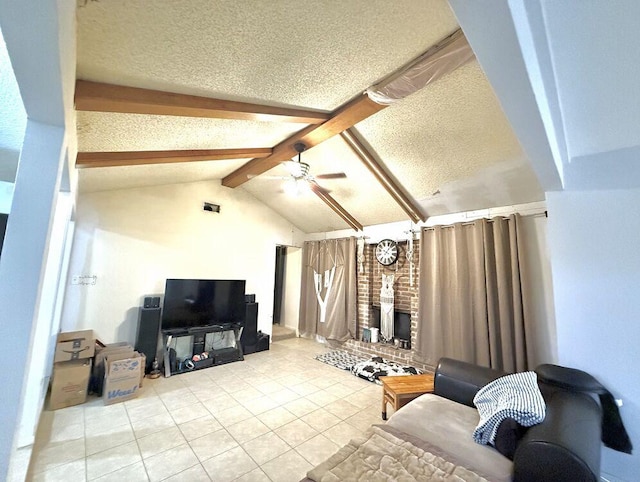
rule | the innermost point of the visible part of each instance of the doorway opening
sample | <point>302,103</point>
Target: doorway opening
<point>286,293</point>
<point>278,286</point>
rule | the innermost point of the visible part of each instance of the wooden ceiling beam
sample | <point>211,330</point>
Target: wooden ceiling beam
<point>394,188</point>
<point>343,118</point>
<point>137,158</point>
<point>347,115</point>
<point>99,97</point>
<point>333,204</point>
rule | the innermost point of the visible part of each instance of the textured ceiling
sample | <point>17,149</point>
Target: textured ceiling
<point>447,131</point>
<point>452,136</point>
<point>113,178</point>
<point>311,53</point>
<point>98,131</point>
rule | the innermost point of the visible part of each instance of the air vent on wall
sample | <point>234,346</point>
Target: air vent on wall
<point>213,208</point>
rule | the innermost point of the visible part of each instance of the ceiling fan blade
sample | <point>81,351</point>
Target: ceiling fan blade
<point>332,175</point>
<point>319,187</point>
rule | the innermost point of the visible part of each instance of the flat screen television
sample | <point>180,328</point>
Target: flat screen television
<point>195,303</point>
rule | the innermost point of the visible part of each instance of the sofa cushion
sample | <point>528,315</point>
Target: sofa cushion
<point>449,425</point>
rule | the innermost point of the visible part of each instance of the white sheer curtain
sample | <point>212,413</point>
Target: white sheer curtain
<point>471,300</point>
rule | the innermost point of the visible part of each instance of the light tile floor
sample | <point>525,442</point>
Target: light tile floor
<point>271,417</point>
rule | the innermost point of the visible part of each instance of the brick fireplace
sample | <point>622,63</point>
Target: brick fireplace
<point>406,300</point>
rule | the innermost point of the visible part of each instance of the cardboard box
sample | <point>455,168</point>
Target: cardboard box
<point>75,345</point>
<point>122,347</point>
<point>96,384</point>
<point>123,374</point>
<point>69,385</point>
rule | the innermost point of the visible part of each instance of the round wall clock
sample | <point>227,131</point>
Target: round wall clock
<point>387,252</point>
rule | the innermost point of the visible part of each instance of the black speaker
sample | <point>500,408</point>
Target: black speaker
<point>249,298</point>
<point>263,342</point>
<point>148,333</point>
<point>249,337</point>
<point>152,302</point>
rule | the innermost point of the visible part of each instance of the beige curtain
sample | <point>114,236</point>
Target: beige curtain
<point>318,259</point>
<point>471,299</point>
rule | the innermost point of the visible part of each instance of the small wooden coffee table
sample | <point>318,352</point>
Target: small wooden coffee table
<point>398,391</point>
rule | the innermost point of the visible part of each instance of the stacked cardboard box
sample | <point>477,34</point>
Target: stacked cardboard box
<point>115,374</point>
<point>72,368</point>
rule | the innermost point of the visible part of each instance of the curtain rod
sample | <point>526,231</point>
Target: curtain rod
<point>469,223</point>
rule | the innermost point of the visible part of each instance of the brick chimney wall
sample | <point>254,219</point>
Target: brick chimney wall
<point>406,300</point>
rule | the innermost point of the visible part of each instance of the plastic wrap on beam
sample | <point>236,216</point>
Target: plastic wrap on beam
<point>452,53</point>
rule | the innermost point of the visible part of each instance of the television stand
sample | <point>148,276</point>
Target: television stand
<point>201,347</point>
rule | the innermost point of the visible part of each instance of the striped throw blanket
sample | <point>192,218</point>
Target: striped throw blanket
<point>514,396</point>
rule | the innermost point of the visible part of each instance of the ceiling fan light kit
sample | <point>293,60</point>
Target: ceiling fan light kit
<point>300,181</point>
<point>298,169</point>
<point>296,187</point>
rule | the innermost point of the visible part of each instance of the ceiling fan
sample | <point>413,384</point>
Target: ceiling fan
<point>300,179</point>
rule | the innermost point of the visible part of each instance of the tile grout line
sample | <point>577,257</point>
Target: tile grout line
<point>135,438</point>
<point>295,365</point>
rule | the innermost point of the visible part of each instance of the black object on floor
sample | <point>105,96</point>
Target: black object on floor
<point>148,334</point>
<point>249,337</point>
<point>263,341</point>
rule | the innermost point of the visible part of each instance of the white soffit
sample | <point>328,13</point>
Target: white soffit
<point>445,132</point>
<point>98,131</point>
<point>126,177</point>
<point>596,65</point>
<point>290,52</point>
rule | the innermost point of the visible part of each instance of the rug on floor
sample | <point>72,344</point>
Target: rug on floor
<point>340,359</point>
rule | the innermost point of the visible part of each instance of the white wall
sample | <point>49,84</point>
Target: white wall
<point>40,40</point>
<point>45,329</point>
<point>594,240</point>
<point>134,239</point>
<point>291,292</point>
<point>22,268</point>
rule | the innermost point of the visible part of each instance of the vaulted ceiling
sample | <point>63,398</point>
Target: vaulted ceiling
<point>445,148</point>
